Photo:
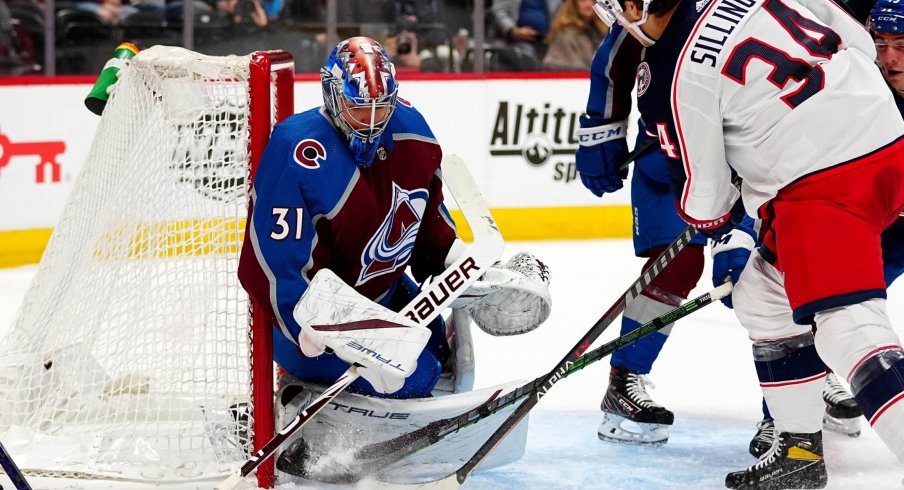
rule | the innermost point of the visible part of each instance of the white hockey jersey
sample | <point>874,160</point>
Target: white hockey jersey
<point>775,89</point>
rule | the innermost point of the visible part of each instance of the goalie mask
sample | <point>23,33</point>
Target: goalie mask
<point>359,94</point>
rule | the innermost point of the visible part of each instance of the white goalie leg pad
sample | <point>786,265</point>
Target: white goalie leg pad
<point>385,343</point>
<point>512,299</point>
<point>352,421</point>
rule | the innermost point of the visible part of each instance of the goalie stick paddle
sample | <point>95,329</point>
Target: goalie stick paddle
<point>374,457</point>
<point>464,271</point>
<point>12,471</point>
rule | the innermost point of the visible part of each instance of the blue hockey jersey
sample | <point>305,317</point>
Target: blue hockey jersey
<point>313,208</point>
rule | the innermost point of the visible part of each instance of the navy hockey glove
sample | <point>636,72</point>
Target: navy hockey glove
<point>730,254</point>
<point>602,150</point>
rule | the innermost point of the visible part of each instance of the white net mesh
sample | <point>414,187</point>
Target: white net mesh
<point>129,356</point>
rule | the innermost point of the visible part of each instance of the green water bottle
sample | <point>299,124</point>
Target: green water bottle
<point>97,98</point>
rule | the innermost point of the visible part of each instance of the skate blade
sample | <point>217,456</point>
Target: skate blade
<point>849,427</point>
<point>615,428</point>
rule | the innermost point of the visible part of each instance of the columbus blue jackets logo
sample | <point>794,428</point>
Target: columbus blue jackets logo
<point>308,153</point>
<point>390,247</point>
<point>643,78</point>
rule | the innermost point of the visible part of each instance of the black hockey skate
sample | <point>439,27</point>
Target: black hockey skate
<point>630,415</point>
<point>842,413</point>
<point>794,461</point>
<point>762,441</point>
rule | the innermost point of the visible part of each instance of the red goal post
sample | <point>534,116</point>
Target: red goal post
<point>136,355</point>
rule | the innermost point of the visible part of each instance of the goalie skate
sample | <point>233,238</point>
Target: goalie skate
<point>630,416</point>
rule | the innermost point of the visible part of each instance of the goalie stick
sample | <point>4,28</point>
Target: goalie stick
<point>12,471</point>
<point>373,457</point>
<point>483,253</point>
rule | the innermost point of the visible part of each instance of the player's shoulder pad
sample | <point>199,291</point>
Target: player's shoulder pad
<point>317,155</point>
<point>408,121</point>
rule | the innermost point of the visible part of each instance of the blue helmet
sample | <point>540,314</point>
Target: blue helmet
<point>887,17</point>
<point>359,75</point>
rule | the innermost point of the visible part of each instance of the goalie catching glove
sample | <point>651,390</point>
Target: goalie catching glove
<point>509,299</point>
<point>385,344</point>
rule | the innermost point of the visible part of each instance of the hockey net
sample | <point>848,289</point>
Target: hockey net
<point>131,356</point>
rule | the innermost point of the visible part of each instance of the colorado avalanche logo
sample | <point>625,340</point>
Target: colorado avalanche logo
<point>390,247</point>
<point>643,78</point>
<point>308,153</point>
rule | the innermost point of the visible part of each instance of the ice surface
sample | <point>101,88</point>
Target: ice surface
<point>704,374</point>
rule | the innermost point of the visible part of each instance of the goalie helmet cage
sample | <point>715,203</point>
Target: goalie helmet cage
<point>136,354</point>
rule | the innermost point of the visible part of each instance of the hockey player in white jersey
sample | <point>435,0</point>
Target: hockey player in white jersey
<point>754,87</point>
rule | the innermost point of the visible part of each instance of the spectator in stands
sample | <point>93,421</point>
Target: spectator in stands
<point>523,24</point>
<point>452,57</point>
<point>403,50</point>
<point>244,13</point>
<point>6,33</point>
<point>574,36</point>
<point>109,11</point>
<point>10,62</point>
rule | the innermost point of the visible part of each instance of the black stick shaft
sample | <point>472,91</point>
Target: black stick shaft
<point>382,454</point>
<point>562,367</point>
<point>12,471</point>
<point>640,150</point>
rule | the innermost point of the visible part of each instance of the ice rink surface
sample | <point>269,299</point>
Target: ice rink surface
<point>705,375</point>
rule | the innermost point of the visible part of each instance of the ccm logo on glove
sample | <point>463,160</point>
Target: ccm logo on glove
<point>451,283</point>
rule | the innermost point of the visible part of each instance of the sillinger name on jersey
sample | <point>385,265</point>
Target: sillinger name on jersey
<point>719,25</point>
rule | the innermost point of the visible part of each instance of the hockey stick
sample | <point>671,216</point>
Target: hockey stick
<point>553,376</point>
<point>426,306</point>
<point>640,150</point>
<point>12,471</point>
<point>373,457</point>
<point>556,374</point>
